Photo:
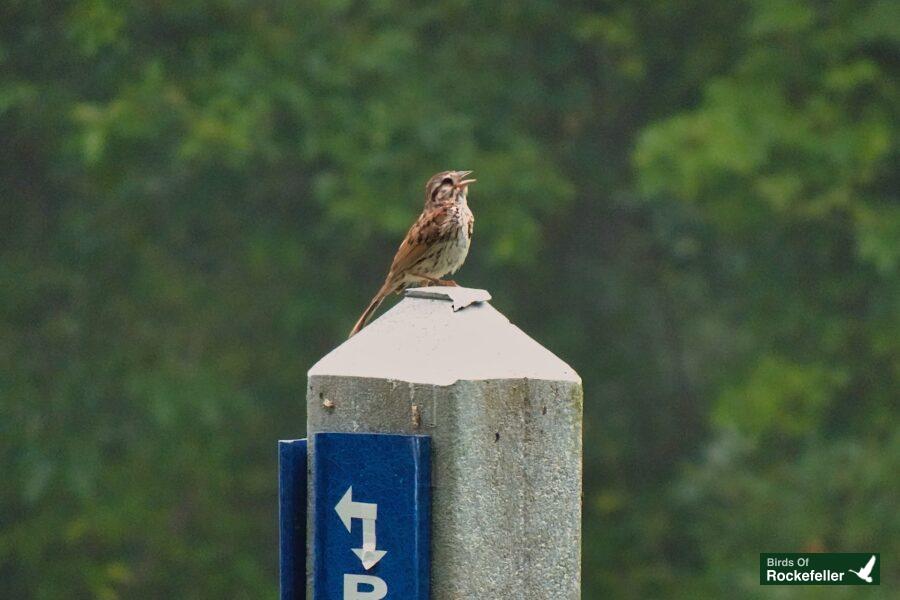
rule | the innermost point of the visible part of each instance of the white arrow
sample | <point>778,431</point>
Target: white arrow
<point>348,510</point>
<point>368,554</point>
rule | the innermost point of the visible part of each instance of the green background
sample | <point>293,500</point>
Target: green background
<point>694,203</point>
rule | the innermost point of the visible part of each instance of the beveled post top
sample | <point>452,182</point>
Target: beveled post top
<point>440,335</point>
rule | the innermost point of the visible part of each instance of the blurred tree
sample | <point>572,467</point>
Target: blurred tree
<point>790,164</point>
<point>693,202</point>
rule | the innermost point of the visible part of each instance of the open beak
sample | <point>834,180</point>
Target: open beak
<point>465,182</point>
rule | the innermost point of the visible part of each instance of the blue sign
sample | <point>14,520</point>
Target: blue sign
<point>292,518</point>
<point>371,528</point>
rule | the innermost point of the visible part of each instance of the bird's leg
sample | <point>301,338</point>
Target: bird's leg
<point>431,280</point>
<point>435,280</point>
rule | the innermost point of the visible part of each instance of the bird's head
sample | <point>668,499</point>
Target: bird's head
<point>447,186</point>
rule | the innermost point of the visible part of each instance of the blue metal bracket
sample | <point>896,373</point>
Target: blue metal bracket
<point>292,518</point>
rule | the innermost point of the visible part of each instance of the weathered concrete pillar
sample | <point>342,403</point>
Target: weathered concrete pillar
<point>505,416</point>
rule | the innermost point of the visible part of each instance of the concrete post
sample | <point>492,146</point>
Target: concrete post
<point>505,416</point>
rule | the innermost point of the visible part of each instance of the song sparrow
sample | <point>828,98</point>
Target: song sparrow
<point>436,244</point>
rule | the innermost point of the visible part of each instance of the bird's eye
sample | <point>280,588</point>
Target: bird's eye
<point>438,188</point>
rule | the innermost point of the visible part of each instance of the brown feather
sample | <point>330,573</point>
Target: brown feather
<point>370,310</point>
<point>419,239</point>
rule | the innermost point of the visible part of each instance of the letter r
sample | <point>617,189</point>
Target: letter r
<point>352,592</point>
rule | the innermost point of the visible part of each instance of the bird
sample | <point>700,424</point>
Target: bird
<point>865,572</point>
<point>437,243</point>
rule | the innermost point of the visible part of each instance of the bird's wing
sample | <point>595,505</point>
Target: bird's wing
<point>427,229</point>
<point>868,568</point>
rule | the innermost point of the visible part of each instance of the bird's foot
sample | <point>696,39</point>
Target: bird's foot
<point>435,281</point>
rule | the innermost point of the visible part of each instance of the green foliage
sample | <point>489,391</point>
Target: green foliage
<point>780,399</point>
<point>693,203</point>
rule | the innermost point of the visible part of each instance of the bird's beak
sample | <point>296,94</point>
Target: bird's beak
<point>465,182</point>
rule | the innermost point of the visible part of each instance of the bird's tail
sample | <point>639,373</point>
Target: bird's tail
<point>373,306</point>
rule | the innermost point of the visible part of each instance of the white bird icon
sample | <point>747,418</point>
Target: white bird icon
<point>864,573</point>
